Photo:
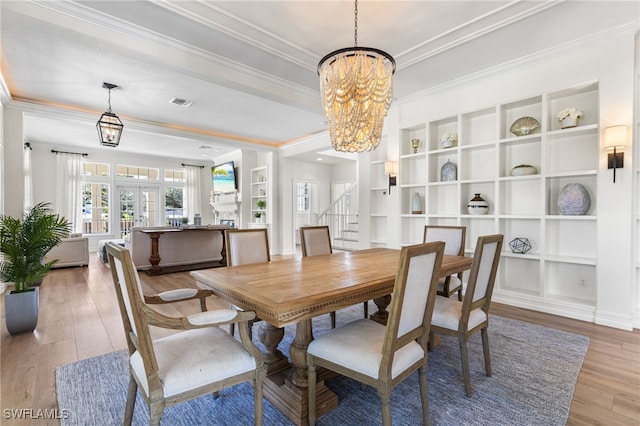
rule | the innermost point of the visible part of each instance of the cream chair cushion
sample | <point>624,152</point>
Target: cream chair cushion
<point>447,313</point>
<point>213,355</point>
<point>358,347</point>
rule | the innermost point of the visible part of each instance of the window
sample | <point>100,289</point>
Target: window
<point>135,172</point>
<point>95,198</point>
<point>174,210</point>
<point>303,197</point>
<point>174,175</point>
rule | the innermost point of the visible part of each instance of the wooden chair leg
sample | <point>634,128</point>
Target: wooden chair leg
<point>365,308</point>
<point>424,394</point>
<point>258,400</point>
<point>332,315</point>
<point>432,341</point>
<point>311,378</point>
<point>156,409</point>
<point>131,401</point>
<point>464,355</point>
<point>485,348</point>
<point>385,402</point>
<point>232,328</point>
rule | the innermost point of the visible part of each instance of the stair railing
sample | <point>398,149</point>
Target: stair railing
<point>342,218</point>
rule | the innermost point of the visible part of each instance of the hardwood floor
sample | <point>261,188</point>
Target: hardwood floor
<point>79,318</point>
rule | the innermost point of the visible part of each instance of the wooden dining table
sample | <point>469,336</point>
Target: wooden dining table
<point>295,290</point>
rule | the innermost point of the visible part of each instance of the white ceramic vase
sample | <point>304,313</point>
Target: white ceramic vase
<point>478,205</point>
<point>417,204</point>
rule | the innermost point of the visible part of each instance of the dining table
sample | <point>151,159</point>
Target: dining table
<point>292,291</point>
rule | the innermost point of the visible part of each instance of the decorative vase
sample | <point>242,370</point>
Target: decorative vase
<point>21,311</point>
<point>449,140</point>
<point>573,200</point>
<point>415,144</point>
<point>478,205</point>
<point>523,170</point>
<point>448,172</point>
<point>568,122</point>
<point>417,204</point>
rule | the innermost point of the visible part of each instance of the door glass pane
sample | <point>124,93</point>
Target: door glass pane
<point>95,208</point>
<point>127,211</point>
<point>149,213</point>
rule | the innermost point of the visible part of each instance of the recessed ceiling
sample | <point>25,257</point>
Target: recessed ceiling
<point>250,67</point>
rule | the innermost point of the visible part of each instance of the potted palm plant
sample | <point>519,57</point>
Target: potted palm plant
<point>23,244</point>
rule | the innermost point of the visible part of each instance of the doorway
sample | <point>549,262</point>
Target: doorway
<point>137,206</point>
<point>305,201</point>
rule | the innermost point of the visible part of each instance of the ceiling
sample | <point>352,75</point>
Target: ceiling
<point>249,67</point>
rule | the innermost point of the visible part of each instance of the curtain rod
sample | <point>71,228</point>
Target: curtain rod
<point>84,154</point>
<point>191,165</point>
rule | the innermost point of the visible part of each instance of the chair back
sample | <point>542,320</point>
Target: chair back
<point>412,301</point>
<point>316,240</point>
<point>245,246</point>
<point>131,301</point>
<point>483,273</point>
<point>453,237</point>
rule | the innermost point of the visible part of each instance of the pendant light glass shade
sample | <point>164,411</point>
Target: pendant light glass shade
<point>109,125</point>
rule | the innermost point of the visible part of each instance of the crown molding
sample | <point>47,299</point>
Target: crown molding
<point>590,41</point>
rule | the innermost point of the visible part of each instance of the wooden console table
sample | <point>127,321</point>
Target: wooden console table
<point>154,259</point>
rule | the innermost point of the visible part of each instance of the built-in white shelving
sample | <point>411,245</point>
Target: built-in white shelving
<point>563,247</point>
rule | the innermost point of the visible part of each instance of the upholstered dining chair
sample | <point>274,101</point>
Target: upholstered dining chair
<point>463,319</point>
<point>243,247</point>
<point>200,358</point>
<point>454,239</point>
<point>382,356</point>
<point>316,240</point>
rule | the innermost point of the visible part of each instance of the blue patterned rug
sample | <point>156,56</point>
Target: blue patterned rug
<point>534,374</point>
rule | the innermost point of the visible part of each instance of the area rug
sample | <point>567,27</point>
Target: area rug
<point>534,374</point>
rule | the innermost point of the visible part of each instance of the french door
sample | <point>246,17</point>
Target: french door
<point>137,206</point>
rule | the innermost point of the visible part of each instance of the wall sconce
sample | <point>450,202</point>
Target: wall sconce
<point>391,170</point>
<point>615,137</point>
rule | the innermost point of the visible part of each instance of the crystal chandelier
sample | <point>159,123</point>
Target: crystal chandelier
<point>109,126</point>
<point>356,85</point>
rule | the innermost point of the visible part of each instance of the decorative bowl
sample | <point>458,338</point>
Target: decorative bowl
<point>523,170</point>
<point>524,126</point>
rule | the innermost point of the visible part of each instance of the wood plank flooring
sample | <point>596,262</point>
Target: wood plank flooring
<point>79,319</point>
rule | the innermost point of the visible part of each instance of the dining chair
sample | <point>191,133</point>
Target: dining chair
<point>463,319</point>
<point>243,247</point>
<point>383,356</point>
<point>454,239</point>
<point>200,358</point>
<point>316,240</point>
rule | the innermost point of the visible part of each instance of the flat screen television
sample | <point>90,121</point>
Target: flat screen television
<point>224,178</point>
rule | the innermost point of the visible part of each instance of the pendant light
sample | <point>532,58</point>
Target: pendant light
<point>356,85</point>
<point>109,126</point>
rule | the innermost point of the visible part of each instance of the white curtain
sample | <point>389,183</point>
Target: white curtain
<point>192,191</point>
<point>69,189</point>
<point>27,172</point>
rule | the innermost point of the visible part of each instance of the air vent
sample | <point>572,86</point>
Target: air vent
<point>181,102</point>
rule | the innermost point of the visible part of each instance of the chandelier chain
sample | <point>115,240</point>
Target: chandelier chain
<point>355,24</point>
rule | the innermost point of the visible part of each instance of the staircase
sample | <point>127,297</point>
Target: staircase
<point>342,219</point>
